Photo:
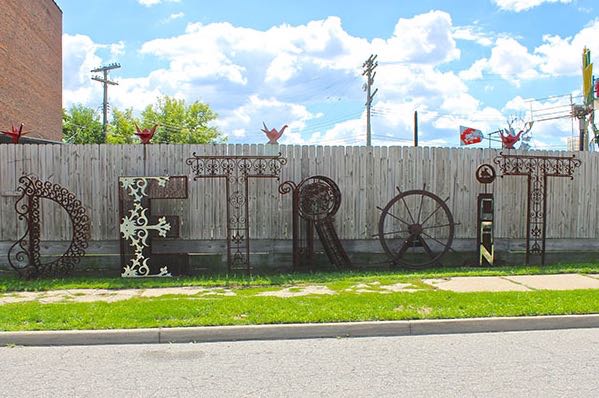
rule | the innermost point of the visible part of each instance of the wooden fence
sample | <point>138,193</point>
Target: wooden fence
<point>367,178</point>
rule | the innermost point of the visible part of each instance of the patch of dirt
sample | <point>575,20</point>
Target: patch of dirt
<point>425,311</point>
<point>299,291</point>
<point>376,287</point>
<point>108,296</point>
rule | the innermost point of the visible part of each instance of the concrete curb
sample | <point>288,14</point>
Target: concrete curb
<point>297,331</point>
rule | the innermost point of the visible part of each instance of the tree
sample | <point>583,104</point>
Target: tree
<point>81,125</point>
<point>180,123</point>
<point>122,128</point>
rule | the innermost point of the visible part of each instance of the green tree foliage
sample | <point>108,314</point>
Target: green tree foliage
<point>122,128</point>
<point>81,125</point>
<point>181,123</point>
<point>178,124</point>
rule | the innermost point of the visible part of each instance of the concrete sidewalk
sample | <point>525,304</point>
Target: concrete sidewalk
<point>516,283</point>
<point>454,284</point>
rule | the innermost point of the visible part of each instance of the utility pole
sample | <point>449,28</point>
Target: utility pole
<point>105,82</point>
<point>581,112</point>
<point>369,67</point>
<point>415,128</point>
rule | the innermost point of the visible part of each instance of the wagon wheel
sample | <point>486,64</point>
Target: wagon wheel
<point>416,229</point>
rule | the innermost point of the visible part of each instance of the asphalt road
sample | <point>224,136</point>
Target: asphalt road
<point>536,364</point>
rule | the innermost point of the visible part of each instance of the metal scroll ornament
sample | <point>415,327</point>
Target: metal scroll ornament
<point>236,171</point>
<point>538,169</point>
<point>24,255</point>
<point>139,227</point>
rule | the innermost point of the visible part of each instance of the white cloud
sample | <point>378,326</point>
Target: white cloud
<point>523,5</point>
<point>173,17</point>
<point>426,38</point>
<point>349,132</point>
<point>117,49</point>
<point>512,61</point>
<point>475,71</point>
<point>282,68</point>
<point>272,112</point>
<point>562,56</point>
<point>473,33</point>
<point>556,56</point>
<point>150,3</point>
<point>509,59</point>
<point>79,58</point>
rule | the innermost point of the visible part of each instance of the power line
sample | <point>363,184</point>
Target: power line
<point>553,97</point>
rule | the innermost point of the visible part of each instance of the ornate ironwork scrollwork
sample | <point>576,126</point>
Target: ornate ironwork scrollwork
<point>24,255</point>
<point>236,170</point>
<point>537,169</point>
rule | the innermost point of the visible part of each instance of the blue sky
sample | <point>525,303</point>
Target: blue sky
<point>460,62</point>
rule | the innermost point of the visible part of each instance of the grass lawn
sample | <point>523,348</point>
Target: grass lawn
<point>247,307</point>
<point>177,311</point>
<point>14,284</point>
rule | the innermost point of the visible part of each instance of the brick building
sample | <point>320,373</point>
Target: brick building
<point>31,67</point>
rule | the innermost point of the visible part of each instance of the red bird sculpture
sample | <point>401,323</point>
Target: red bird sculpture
<point>15,134</point>
<point>509,140</point>
<point>273,135</point>
<point>145,135</point>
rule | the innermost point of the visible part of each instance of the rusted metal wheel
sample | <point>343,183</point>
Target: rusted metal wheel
<point>416,229</point>
<point>319,198</point>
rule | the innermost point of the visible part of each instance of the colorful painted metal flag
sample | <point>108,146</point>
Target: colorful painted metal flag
<point>587,76</point>
<point>469,136</point>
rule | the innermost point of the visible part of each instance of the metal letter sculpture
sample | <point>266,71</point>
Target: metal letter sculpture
<point>236,171</point>
<point>316,200</point>
<point>485,234</point>
<point>538,169</point>
<point>24,255</point>
<point>416,229</point>
<point>138,226</point>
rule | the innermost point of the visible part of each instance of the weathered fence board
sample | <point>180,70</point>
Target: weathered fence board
<point>367,178</point>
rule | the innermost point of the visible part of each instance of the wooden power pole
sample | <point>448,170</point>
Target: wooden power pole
<point>105,82</point>
<point>415,128</point>
<point>369,71</point>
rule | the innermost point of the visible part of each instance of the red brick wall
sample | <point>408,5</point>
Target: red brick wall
<point>31,66</point>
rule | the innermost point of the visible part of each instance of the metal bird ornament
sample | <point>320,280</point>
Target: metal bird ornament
<point>508,140</point>
<point>145,135</point>
<point>15,134</point>
<point>273,135</point>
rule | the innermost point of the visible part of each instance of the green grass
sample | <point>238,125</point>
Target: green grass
<point>248,308</point>
<point>13,284</point>
<point>245,309</point>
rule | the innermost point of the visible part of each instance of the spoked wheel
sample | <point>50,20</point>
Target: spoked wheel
<point>416,229</point>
